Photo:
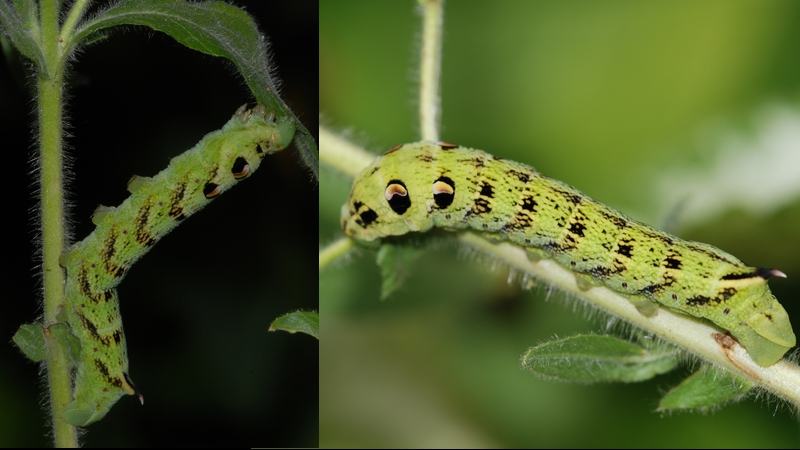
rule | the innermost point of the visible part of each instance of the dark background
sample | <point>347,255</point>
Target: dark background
<point>196,309</point>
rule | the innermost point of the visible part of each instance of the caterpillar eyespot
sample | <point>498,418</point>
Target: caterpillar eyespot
<point>576,231</point>
<point>96,265</point>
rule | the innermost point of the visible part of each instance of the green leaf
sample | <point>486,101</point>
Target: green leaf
<point>303,321</point>
<point>30,339</point>
<point>593,358</point>
<point>71,344</point>
<point>214,28</point>
<point>23,32</point>
<point>395,262</point>
<point>705,388</point>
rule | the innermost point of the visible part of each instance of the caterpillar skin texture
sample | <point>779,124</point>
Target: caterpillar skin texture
<point>415,187</point>
<point>96,265</point>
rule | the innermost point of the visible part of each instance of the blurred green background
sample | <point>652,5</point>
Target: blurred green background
<point>197,307</point>
<point>655,108</point>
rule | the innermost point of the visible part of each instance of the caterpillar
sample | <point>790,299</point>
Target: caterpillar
<point>97,264</point>
<point>418,186</point>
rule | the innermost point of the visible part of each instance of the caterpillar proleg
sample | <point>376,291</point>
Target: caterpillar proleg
<point>96,265</point>
<point>415,187</point>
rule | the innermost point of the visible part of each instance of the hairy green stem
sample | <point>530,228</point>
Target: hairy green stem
<point>75,14</point>
<point>50,98</point>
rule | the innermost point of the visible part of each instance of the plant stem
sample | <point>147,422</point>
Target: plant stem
<point>430,68</point>
<point>335,250</point>
<point>342,154</point>
<point>75,14</point>
<point>52,214</point>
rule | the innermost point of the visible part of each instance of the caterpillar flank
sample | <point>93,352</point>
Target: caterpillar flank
<point>96,265</point>
<point>418,186</point>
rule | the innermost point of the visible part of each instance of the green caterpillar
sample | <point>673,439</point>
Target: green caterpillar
<point>96,265</point>
<point>415,187</point>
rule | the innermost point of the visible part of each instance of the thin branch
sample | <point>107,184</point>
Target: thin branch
<point>334,251</point>
<point>430,68</point>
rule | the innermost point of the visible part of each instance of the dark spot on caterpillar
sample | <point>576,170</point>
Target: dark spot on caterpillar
<point>444,191</point>
<point>624,284</point>
<point>577,228</point>
<point>698,300</point>
<point>569,196</point>
<point>614,218</point>
<point>426,158</point>
<point>625,250</point>
<point>573,263</point>
<point>89,326</point>
<point>146,239</point>
<point>519,222</point>
<point>102,296</point>
<point>725,294</point>
<point>143,236</point>
<point>481,206</point>
<point>107,251</point>
<point>476,162</point>
<point>600,272</point>
<point>672,263</point>
<point>447,145</point>
<point>211,190</point>
<point>397,196</point>
<point>528,203</point>
<point>552,247</point>
<point>176,211</point>
<point>83,281</point>
<point>367,217</point>
<point>487,190</point>
<point>447,216</point>
<point>103,369</point>
<point>527,241</point>
<point>119,272</point>
<point>485,226</point>
<point>240,168</point>
<point>521,176</point>
<point>117,335</point>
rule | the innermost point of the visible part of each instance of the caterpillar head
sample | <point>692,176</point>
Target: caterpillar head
<point>391,197</point>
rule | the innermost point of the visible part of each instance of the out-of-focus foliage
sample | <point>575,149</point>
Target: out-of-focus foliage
<point>617,98</point>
